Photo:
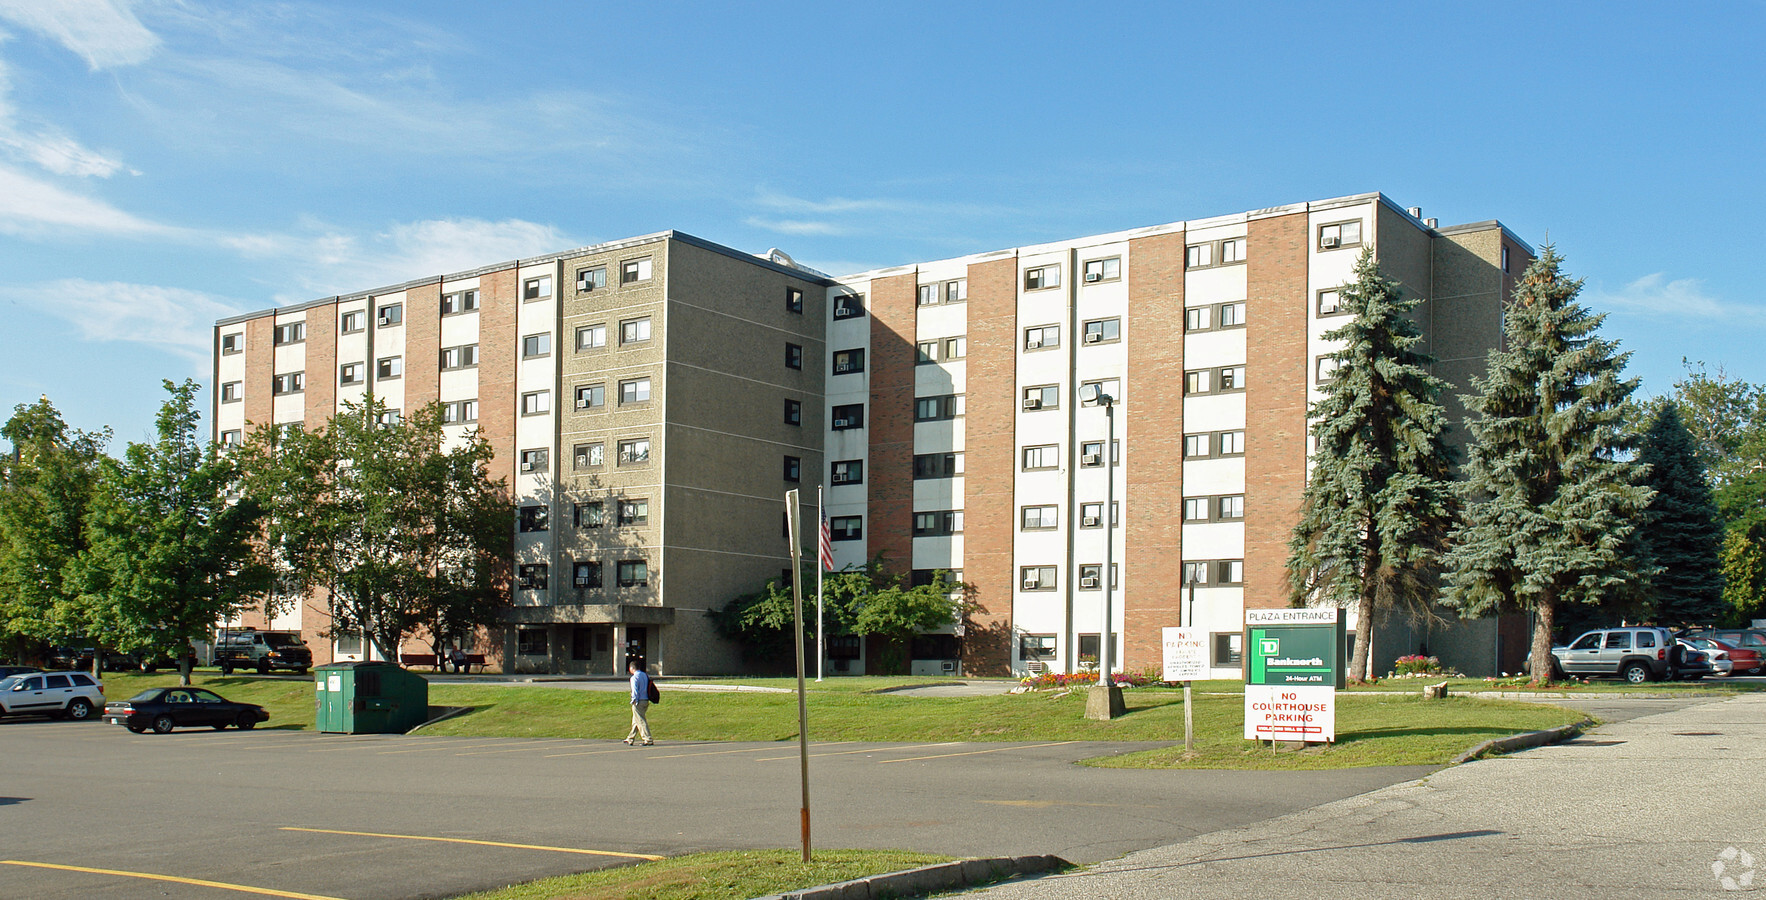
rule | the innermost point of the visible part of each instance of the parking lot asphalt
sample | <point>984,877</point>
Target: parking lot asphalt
<point>301,814</point>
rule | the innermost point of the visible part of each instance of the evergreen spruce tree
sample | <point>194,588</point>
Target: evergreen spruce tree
<point>1379,502</point>
<point>1683,532</point>
<point>1552,504</point>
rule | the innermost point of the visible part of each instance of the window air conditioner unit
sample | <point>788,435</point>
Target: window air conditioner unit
<point>1033,345</point>
<point>1031,584</point>
<point>1089,521</point>
<point>1092,337</point>
<point>842,423</point>
<point>841,312</point>
<point>1092,459</point>
<point>1088,582</point>
<point>1033,403</point>
<point>1093,276</point>
<point>1328,242</point>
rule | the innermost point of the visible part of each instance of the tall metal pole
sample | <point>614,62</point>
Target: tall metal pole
<point>821,516</point>
<point>1109,535</point>
<point>793,515</point>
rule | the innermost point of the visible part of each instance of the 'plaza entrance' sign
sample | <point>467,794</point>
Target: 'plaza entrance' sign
<point>1293,669</point>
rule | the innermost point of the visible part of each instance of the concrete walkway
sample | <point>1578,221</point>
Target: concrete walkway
<point>1647,807</point>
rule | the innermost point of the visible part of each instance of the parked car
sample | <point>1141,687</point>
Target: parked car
<point>58,695</point>
<point>1636,654</point>
<point>1741,660</point>
<point>263,651</point>
<point>9,671</point>
<point>1752,639</point>
<point>1689,663</point>
<point>163,709</point>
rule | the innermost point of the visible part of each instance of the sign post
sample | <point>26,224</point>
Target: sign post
<point>1293,669</point>
<point>1186,659</point>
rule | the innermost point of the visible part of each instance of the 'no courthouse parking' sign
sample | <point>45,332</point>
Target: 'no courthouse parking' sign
<point>1293,668</point>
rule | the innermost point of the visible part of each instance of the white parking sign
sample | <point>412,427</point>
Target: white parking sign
<point>1186,654</point>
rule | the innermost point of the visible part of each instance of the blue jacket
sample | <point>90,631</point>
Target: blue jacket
<point>640,686</point>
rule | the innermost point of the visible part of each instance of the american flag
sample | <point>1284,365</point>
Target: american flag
<point>827,546</point>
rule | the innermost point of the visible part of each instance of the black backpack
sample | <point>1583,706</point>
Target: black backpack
<point>655,695</point>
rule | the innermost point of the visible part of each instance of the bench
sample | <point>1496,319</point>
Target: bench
<point>408,660</point>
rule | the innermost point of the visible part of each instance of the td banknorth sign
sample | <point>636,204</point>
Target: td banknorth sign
<point>1294,667</point>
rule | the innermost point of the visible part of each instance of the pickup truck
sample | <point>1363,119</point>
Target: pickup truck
<point>264,651</point>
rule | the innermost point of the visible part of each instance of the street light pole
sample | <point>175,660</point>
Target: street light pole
<point>1105,701</point>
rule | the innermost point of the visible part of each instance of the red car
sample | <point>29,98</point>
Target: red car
<point>1742,659</point>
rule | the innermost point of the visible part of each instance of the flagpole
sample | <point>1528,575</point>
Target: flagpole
<point>821,517</point>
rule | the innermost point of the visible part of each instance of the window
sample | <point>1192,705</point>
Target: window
<point>1195,446</point>
<point>1090,575</point>
<point>927,295</point>
<point>591,279</point>
<point>590,396</point>
<point>1103,331</point>
<point>1036,647</point>
<point>846,471</point>
<point>633,331</point>
<point>1037,578</point>
<point>632,572</point>
<point>536,288</point>
<point>1232,507</point>
<point>1200,381</point>
<point>847,362</point>
<point>230,392</point>
<point>459,302</point>
<point>850,415</point>
<point>1232,443</point>
<point>1091,453</point>
<point>1197,256</point>
<point>636,390</point>
<point>635,450</point>
<point>1045,456</point>
<point>389,367</point>
<point>938,523</point>
<point>459,357</point>
<point>925,352</point>
<point>1042,277</point>
<point>232,438</point>
<point>585,575</point>
<point>957,291</point>
<point>233,343</point>
<point>1505,258</point>
<point>793,356</point>
<point>938,465</point>
<point>533,460</point>
<point>530,641</point>
<point>532,518</point>
<point>531,577</point>
<point>350,322</point>
<point>291,383</point>
<point>794,300</point>
<point>634,512</point>
<point>1035,517</point>
<point>847,528</point>
<point>956,347</point>
<point>1232,378</point>
<point>1229,651</point>
<point>1042,397</point>
<point>536,403</point>
<point>793,412</point>
<point>1195,573</point>
<point>793,468</point>
<point>1330,302</point>
<point>1042,336</point>
<point>1103,269</point>
<point>1108,387</point>
<point>1232,315</point>
<point>933,409</point>
<point>633,271</point>
<point>591,514</point>
<point>1232,251</point>
<point>1340,234</point>
<point>1326,368</point>
<point>589,337</point>
<point>847,306</point>
<point>1197,318</point>
<point>536,345</point>
<point>1195,509</point>
<point>1229,571</point>
<point>389,315</point>
<point>387,418</point>
<point>460,412</point>
<point>292,333</point>
<point>588,456</point>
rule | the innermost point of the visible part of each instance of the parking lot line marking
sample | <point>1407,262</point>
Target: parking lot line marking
<point>976,752</point>
<point>436,749</point>
<point>866,750</point>
<point>532,745</point>
<point>242,888</point>
<point>587,752</point>
<point>710,753</point>
<point>448,840</point>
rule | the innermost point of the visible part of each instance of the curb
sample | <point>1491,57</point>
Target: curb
<point>928,879</point>
<point>447,712</point>
<point>911,687</point>
<point>1523,741</point>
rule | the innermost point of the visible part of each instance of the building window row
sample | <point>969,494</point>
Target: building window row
<point>1214,253</point>
<point>1225,572</point>
<point>846,471</point>
<point>464,356</point>
<point>1090,574</point>
<point>1214,317</point>
<point>585,575</point>
<point>936,293</point>
<point>1091,514</point>
<point>1091,454</point>
<point>292,333</point>
<point>849,362</point>
<point>537,288</point>
<point>937,465</point>
<point>1102,331</point>
<point>1223,380</point>
<point>389,315</point>
<point>1042,277</point>
<point>1205,444</point>
<point>849,306</point>
<point>939,408</point>
<point>288,383</point>
<point>1042,337</point>
<point>1221,508</point>
<point>1339,235</point>
<point>1108,269</point>
<point>938,523</point>
<point>593,278</point>
<point>232,343</point>
<point>846,528</point>
<point>456,302</point>
<point>847,416</point>
<point>460,412</point>
<point>941,349</point>
<point>1039,518</point>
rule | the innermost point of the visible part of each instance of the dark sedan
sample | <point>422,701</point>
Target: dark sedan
<point>163,709</point>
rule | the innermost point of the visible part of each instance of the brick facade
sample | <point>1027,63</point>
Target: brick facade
<point>1152,512</point>
<point>1277,307</point>
<point>990,463</point>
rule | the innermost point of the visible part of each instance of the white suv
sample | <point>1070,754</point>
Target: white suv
<point>59,695</point>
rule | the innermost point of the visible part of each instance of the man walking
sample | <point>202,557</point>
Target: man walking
<point>640,703</point>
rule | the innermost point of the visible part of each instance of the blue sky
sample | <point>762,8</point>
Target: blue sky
<point>167,162</point>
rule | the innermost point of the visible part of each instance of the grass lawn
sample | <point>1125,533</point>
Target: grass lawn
<point>1590,686</point>
<point>716,876</point>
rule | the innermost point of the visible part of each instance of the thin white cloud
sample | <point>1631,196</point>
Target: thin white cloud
<point>47,147</point>
<point>105,33</point>
<point>172,319</point>
<point>796,226</point>
<point>1683,299</point>
<point>31,206</point>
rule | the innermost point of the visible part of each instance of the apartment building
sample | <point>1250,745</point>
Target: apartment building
<point>650,400</point>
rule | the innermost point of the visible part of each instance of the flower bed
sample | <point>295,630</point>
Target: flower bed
<point>1048,680</point>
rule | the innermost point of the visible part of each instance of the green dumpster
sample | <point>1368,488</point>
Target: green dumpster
<point>368,698</point>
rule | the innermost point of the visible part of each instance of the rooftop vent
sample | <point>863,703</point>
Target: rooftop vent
<point>1416,212</point>
<point>1432,223</point>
